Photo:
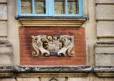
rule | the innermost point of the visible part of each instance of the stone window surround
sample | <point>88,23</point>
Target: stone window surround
<point>74,21</point>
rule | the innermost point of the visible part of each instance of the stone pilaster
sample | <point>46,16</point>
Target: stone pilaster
<point>6,55</point>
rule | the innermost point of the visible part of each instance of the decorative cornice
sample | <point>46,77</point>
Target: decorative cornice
<point>53,21</point>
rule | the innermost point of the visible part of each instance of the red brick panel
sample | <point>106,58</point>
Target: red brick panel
<point>26,48</point>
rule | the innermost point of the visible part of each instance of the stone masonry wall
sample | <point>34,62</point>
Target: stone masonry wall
<point>105,33</point>
<point>101,70</point>
<point>5,46</point>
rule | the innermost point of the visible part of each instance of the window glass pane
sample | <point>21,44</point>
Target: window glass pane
<point>59,6</point>
<point>40,6</point>
<point>26,6</point>
<point>73,6</point>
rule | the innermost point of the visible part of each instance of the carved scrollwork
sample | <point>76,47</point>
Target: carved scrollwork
<point>53,79</point>
<point>53,45</point>
<point>38,46</point>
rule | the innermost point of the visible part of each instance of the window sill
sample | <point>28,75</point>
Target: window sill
<point>52,21</point>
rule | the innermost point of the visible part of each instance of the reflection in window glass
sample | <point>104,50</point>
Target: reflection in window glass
<point>40,6</point>
<point>59,6</point>
<point>26,6</point>
<point>73,6</point>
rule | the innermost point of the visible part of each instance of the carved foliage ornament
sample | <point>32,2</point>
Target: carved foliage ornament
<point>46,45</point>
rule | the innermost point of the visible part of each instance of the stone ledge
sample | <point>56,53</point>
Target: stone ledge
<point>104,71</point>
<point>43,69</point>
<point>74,71</point>
<point>104,43</point>
<point>35,71</point>
<point>5,43</point>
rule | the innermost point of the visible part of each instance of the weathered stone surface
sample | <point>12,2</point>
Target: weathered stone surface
<point>104,1</point>
<point>104,12</point>
<point>5,43</point>
<point>7,79</point>
<point>28,79</point>
<point>3,28</point>
<point>53,69</point>
<point>105,28</point>
<point>105,50</point>
<point>6,53</point>
<point>43,71</point>
<point>6,59</point>
<point>78,79</point>
<point>104,79</point>
<point>104,59</point>
<point>3,12</point>
<point>3,1</point>
<point>104,53</point>
<point>104,71</point>
<point>5,50</point>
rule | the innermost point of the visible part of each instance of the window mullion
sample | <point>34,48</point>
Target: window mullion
<point>80,2</point>
<point>47,7</point>
<point>51,7</point>
<point>19,7</point>
<point>66,7</point>
<point>33,7</point>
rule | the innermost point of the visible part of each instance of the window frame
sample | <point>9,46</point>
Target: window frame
<point>50,10</point>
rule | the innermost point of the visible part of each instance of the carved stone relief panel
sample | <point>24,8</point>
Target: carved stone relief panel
<point>53,45</point>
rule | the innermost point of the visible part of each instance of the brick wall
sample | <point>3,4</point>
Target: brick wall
<point>26,48</point>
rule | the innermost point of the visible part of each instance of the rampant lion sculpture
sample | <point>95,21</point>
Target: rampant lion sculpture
<point>68,42</point>
<point>38,46</point>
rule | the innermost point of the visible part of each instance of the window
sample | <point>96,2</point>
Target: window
<point>50,8</point>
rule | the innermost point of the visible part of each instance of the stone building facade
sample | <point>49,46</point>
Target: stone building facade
<point>93,45</point>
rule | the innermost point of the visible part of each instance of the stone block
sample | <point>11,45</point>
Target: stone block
<point>3,1</point>
<point>6,59</point>
<point>28,79</point>
<point>7,79</point>
<point>5,50</point>
<point>104,1</point>
<point>105,12</point>
<point>104,53</point>
<point>103,79</point>
<point>105,28</point>
<point>3,28</point>
<point>105,50</point>
<point>6,53</point>
<point>3,12</point>
<point>78,79</point>
<point>104,59</point>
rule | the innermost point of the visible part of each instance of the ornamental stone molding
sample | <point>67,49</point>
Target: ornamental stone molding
<point>46,45</point>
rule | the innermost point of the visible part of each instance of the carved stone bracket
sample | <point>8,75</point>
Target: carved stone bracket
<point>46,45</point>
